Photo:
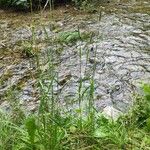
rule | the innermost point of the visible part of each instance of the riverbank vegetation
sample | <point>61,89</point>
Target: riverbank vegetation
<point>38,4</point>
<point>52,128</point>
<point>26,4</point>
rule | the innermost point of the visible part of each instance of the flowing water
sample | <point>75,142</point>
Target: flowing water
<point>119,52</point>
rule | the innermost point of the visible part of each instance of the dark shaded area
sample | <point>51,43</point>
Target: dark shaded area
<point>18,5</point>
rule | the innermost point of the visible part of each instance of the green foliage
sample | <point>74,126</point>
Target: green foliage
<point>140,113</point>
<point>28,49</point>
<point>78,2</point>
<point>31,128</point>
<point>146,89</point>
<point>87,5</point>
<point>71,37</point>
<point>52,130</point>
<point>22,4</point>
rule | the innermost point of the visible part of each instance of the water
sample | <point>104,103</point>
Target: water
<point>121,44</point>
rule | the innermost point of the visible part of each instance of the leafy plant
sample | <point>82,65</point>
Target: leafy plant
<point>28,49</point>
<point>71,37</point>
<point>22,4</point>
<point>140,113</point>
<point>88,6</point>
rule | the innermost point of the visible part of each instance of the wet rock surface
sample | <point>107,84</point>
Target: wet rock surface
<point>117,58</point>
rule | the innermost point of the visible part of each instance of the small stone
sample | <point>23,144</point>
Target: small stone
<point>60,24</point>
<point>111,113</point>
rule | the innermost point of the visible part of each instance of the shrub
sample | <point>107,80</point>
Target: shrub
<point>25,4</point>
<point>22,4</point>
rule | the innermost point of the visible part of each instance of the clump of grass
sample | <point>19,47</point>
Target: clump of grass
<point>140,114</point>
<point>71,37</point>
<point>28,49</point>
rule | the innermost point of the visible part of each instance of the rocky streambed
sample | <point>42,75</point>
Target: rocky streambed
<point>114,51</point>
